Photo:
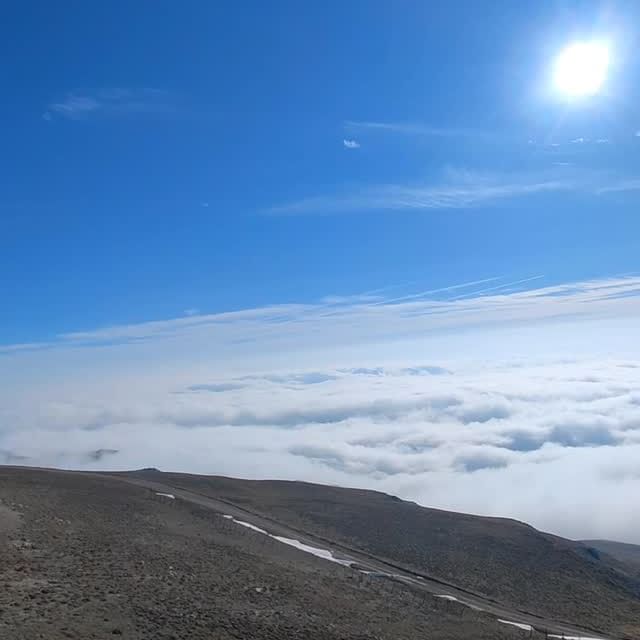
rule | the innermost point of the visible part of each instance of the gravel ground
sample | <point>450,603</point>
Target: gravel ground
<point>501,559</point>
<point>90,557</point>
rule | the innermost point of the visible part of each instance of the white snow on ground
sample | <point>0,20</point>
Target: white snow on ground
<point>251,526</point>
<point>316,551</point>
<point>166,495</point>
<point>466,604</point>
<point>325,554</point>
<point>574,637</point>
<point>321,553</point>
<point>520,625</point>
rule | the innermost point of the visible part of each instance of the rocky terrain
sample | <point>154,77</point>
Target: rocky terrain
<point>499,558</point>
<point>102,556</point>
<point>84,557</point>
<point>627,554</point>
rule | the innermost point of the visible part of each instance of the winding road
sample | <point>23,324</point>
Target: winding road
<point>372,566</point>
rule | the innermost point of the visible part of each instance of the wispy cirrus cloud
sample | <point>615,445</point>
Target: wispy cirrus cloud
<point>632,184</point>
<point>350,144</point>
<point>412,129</point>
<point>363,317</point>
<point>458,189</point>
<point>82,104</point>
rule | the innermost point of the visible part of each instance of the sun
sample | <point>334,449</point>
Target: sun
<point>581,69</point>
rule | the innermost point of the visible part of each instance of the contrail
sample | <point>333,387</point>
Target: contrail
<point>439,290</point>
<point>502,286</point>
<point>331,305</point>
<point>413,296</point>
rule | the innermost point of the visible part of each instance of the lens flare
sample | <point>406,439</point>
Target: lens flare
<point>581,69</point>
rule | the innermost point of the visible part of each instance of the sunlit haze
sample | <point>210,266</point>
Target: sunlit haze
<point>581,69</point>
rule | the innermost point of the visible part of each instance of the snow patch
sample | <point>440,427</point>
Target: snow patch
<point>316,551</point>
<point>520,625</point>
<point>320,553</point>
<point>563,637</point>
<point>166,495</point>
<point>251,526</point>
<point>447,597</point>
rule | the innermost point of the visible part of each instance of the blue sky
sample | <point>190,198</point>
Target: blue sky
<point>361,243</point>
<point>154,154</point>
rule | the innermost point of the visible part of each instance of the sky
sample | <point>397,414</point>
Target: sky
<point>371,243</point>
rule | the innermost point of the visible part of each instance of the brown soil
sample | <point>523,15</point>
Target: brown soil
<point>501,559</point>
<point>92,557</point>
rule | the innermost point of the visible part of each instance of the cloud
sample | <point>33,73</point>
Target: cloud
<point>310,377</point>
<point>481,460</point>
<point>435,310</point>
<point>523,404</point>
<point>621,186</point>
<point>351,144</point>
<point>216,388</point>
<point>457,190</point>
<point>113,102</point>
<point>413,129</point>
<point>582,435</point>
<point>193,311</point>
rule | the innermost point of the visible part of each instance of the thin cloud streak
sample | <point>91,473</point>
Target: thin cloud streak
<point>429,292</point>
<point>108,102</point>
<point>412,128</point>
<point>622,186</point>
<point>461,189</point>
<point>497,288</point>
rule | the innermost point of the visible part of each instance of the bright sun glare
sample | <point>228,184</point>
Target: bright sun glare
<point>581,69</point>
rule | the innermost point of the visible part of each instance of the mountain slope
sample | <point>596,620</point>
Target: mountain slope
<point>627,554</point>
<point>89,556</point>
<point>500,558</point>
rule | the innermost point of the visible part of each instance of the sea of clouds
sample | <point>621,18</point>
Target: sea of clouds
<point>523,404</point>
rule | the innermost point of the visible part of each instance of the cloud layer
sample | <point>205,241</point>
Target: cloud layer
<point>520,403</point>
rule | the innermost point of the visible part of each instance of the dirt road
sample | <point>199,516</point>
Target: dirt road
<point>374,567</point>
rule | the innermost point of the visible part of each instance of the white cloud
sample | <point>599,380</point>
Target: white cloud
<point>524,404</point>
<point>351,144</point>
<point>83,104</point>
<point>413,129</point>
<point>632,184</point>
<point>458,189</point>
